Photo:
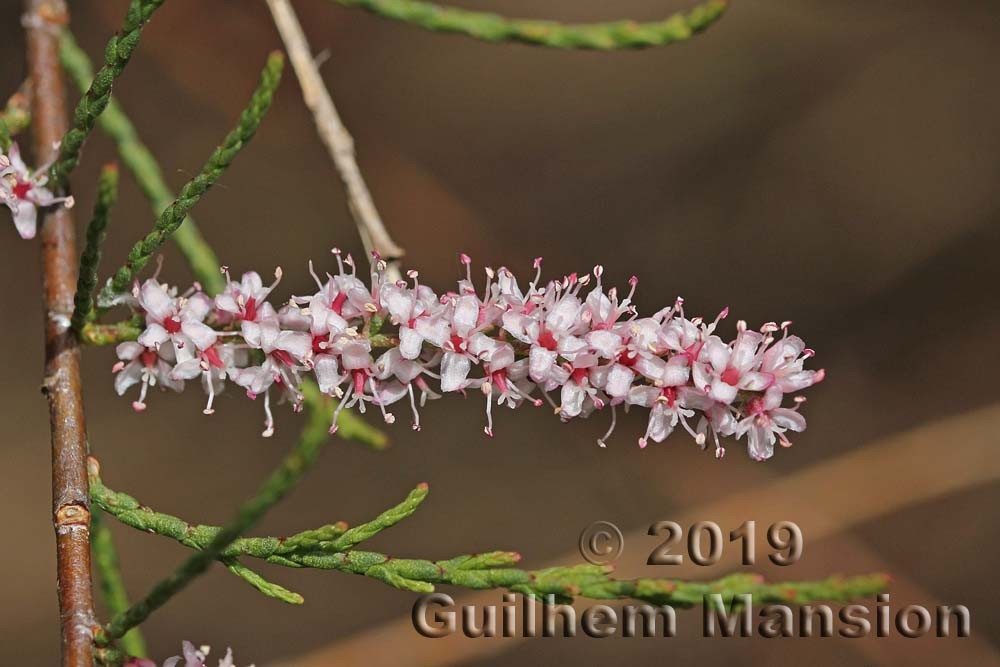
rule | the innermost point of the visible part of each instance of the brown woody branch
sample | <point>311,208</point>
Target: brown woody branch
<point>71,511</point>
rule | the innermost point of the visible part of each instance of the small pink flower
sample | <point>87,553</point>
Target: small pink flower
<point>24,191</point>
<point>784,360</point>
<point>245,300</point>
<point>668,408</point>
<point>147,365</point>
<point>286,355</point>
<point>213,364</point>
<point>179,320</point>
<point>723,370</point>
<point>415,312</point>
<point>767,422</point>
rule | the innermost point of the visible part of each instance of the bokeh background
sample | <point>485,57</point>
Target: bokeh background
<point>834,163</point>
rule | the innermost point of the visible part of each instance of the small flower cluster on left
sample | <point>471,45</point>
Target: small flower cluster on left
<point>23,191</point>
<point>192,657</point>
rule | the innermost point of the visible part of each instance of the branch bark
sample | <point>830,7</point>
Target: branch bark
<point>62,385</point>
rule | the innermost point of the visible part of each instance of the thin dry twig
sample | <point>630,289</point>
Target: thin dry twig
<point>335,137</point>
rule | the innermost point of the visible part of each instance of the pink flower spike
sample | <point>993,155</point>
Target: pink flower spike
<point>572,342</point>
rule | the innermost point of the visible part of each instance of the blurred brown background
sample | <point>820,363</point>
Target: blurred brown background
<point>834,163</point>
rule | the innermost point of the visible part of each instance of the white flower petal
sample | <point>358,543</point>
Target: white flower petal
<point>455,369</point>
<point>619,380</point>
<point>26,219</point>
<point>410,343</point>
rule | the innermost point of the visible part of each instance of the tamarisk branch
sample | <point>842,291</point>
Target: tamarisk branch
<point>62,386</point>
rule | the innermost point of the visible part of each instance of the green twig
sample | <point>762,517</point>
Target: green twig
<point>332,548</point>
<point>172,217</point>
<point>107,195</point>
<point>610,36</point>
<point>125,330</point>
<point>14,118</point>
<point>94,333</point>
<point>281,481</point>
<point>112,585</point>
<point>116,56</point>
<point>333,538</point>
<point>141,163</point>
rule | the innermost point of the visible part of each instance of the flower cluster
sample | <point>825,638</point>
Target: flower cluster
<point>193,657</point>
<point>569,342</point>
<point>23,191</point>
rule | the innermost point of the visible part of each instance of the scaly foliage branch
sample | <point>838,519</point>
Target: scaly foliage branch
<point>610,36</point>
<point>172,217</point>
<point>90,259</point>
<point>117,54</point>
<point>110,579</point>
<point>280,482</point>
<point>141,163</point>
<point>332,547</point>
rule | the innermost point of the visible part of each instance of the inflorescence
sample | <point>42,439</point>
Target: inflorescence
<point>192,657</point>
<point>381,342</point>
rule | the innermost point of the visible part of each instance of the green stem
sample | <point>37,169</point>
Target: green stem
<point>610,36</point>
<point>107,195</point>
<point>111,582</point>
<point>141,163</point>
<point>117,54</point>
<point>94,333</point>
<point>331,547</point>
<point>14,119</point>
<point>119,332</point>
<point>281,481</point>
<point>172,217</point>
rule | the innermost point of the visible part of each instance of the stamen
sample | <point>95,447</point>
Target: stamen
<point>211,393</point>
<point>487,390</point>
<point>614,420</point>
<point>268,417</point>
<point>340,406</point>
<point>413,407</point>
<point>387,416</point>
<point>465,259</point>
<point>633,281</point>
<point>140,405</point>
